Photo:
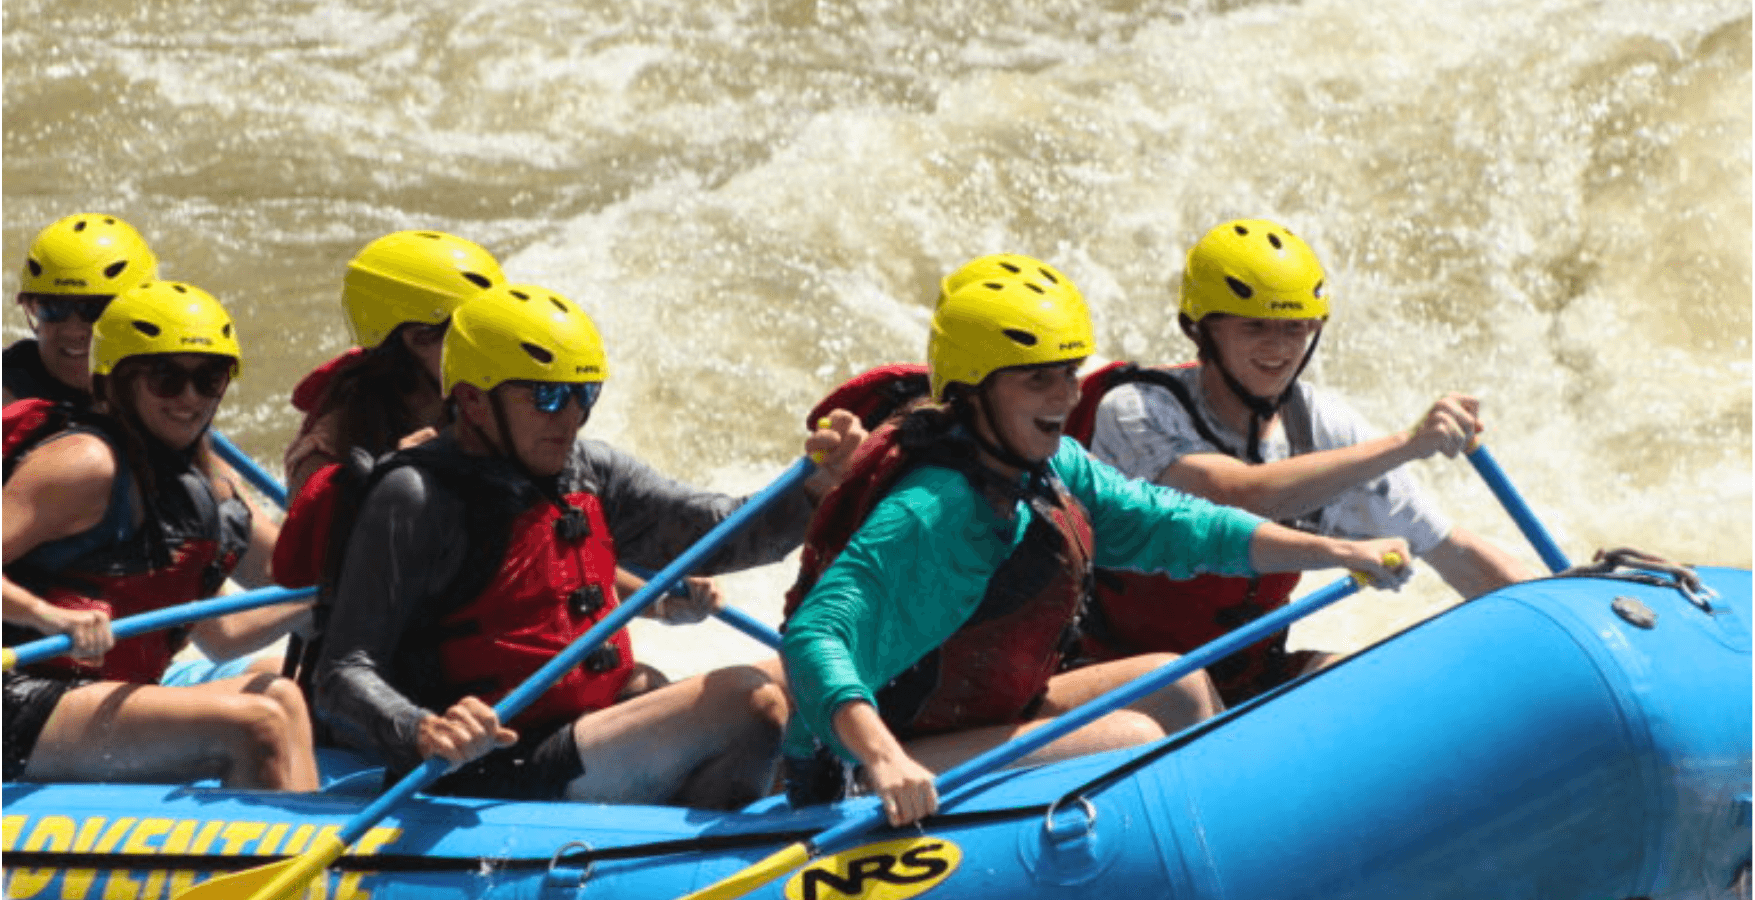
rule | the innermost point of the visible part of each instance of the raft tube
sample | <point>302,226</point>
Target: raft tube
<point>1572,737</point>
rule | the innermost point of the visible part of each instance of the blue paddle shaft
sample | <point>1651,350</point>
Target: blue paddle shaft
<point>1155,680</point>
<point>1520,512</point>
<point>563,662</point>
<point>169,617</point>
<point>736,618</point>
<point>247,467</point>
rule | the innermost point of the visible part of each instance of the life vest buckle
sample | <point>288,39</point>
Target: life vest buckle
<point>586,601</point>
<point>603,659</point>
<point>572,525</point>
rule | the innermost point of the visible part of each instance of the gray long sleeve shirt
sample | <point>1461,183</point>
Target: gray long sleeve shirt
<point>409,543</point>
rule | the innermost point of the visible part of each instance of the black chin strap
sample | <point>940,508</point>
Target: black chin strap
<point>1261,409</point>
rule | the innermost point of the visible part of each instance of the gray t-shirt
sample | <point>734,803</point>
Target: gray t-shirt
<point>1142,428</point>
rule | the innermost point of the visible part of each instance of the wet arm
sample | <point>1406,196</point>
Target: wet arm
<point>400,555</point>
<point>654,518</point>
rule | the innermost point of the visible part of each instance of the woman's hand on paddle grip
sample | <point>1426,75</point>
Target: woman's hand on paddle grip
<point>1382,563</point>
<point>89,629</point>
<point>466,732</point>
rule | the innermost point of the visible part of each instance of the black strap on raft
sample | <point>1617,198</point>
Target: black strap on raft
<point>412,862</point>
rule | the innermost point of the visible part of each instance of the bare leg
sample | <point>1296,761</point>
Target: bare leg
<point>1152,717</point>
<point>709,741</point>
<point>241,730</point>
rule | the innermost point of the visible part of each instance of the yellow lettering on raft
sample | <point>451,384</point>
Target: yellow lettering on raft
<point>120,886</point>
<point>237,834</point>
<point>10,828</point>
<point>272,839</point>
<point>78,881</point>
<point>53,833</point>
<point>369,845</point>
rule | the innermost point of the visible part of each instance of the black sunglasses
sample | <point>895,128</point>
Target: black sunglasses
<point>551,396</point>
<point>166,379</point>
<point>59,309</point>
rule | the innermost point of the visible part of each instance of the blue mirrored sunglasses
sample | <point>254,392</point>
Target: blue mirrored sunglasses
<point>551,396</point>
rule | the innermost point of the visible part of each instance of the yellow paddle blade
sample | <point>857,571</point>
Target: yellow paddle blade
<point>8,659</point>
<point>755,876</point>
<point>274,881</point>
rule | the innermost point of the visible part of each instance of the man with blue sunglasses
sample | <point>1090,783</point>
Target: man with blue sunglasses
<point>479,554</point>
<point>75,267</point>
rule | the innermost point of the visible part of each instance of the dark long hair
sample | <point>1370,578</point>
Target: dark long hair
<point>371,397</point>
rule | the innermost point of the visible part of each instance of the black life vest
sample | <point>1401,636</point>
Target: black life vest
<point>189,544</point>
<point>25,377</point>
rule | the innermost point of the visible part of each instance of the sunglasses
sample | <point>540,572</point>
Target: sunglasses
<point>551,396</point>
<point>60,309</point>
<point>167,380</point>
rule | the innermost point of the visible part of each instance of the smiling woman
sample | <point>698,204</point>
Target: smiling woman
<point>123,517</point>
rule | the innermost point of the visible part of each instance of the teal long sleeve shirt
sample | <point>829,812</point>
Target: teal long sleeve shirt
<point>918,567</point>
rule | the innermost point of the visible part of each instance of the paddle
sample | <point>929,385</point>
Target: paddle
<point>248,468</point>
<point>857,823</point>
<point>281,879</point>
<point>1520,511</point>
<point>730,615</point>
<point>169,617</point>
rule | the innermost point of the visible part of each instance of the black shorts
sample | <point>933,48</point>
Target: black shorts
<point>538,767</point>
<point>29,699</point>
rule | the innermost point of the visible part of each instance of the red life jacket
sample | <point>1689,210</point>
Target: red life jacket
<point>874,395</point>
<point>310,389</point>
<point>994,668</point>
<point>306,532</point>
<point>191,542</point>
<point>1144,613</point>
<point>555,581</point>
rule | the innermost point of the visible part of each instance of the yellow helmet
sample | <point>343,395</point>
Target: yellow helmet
<point>999,266</point>
<point>985,326</point>
<point>517,332</point>
<point>88,254</point>
<point>1254,268</point>
<point>413,276</point>
<point>162,317</point>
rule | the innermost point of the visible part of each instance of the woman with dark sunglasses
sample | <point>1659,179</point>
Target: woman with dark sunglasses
<point>74,268</point>
<point>120,514</point>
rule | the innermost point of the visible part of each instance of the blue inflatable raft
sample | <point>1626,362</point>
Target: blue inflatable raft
<point>1573,737</point>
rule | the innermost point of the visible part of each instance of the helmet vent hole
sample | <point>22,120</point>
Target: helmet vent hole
<point>146,328</point>
<point>115,269</point>
<point>478,279</point>
<point>1034,287</point>
<point>226,330</point>
<point>1022,337</point>
<point>1241,231</point>
<point>36,268</point>
<point>179,289</point>
<point>1242,290</point>
<point>1048,276</point>
<point>520,295</point>
<point>1275,240</point>
<point>538,353</point>
<point>79,225</point>
<point>1009,267</point>
<point>558,304</point>
<point>1317,291</point>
